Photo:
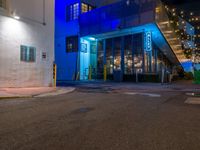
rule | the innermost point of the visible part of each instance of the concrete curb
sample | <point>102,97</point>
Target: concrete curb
<point>59,91</point>
<point>56,92</point>
<point>15,97</point>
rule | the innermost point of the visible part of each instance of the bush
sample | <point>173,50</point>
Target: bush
<point>188,76</point>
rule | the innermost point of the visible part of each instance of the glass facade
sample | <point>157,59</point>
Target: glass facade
<point>128,55</point>
<point>117,53</point>
<point>109,56</point>
<point>138,53</point>
<point>100,59</point>
<point>73,11</point>
<point>86,7</point>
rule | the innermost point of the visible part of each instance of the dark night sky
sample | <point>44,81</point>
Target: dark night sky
<point>180,1</point>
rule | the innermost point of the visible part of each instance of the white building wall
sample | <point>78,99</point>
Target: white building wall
<point>27,31</point>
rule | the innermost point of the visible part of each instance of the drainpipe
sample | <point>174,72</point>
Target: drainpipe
<point>44,13</point>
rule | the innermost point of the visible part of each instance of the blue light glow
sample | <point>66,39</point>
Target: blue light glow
<point>148,41</point>
<point>92,39</point>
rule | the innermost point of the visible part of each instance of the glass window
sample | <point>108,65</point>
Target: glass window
<point>148,61</point>
<point>75,11</point>
<point>128,55</point>
<point>28,54</point>
<point>154,58</point>
<point>3,4</point>
<point>109,56</point>
<point>138,52</point>
<point>100,57</point>
<point>86,7</point>
<point>90,8</point>
<point>72,12</point>
<point>72,44</point>
<point>117,53</point>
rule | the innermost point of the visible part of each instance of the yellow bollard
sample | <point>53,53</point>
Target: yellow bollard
<point>54,74</point>
<point>105,73</point>
<point>77,76</point>
<point>90,72</point>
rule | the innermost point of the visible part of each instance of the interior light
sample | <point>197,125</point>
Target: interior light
<point>92,39</point>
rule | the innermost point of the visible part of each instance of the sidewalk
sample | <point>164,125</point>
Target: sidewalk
<point>33,92</point>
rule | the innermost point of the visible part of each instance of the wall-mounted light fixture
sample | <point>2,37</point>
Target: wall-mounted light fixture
<point>16,17</point>
<point>43,22</point>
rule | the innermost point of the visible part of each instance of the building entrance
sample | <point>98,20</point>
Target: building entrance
<point>88,59</point>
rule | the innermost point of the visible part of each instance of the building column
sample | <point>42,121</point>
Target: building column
<point>113,54</point>
<point>133,53</point>
<point>122,54</point>
<point>104,52</point>
<point>156,60</point>
<point>143,52</point>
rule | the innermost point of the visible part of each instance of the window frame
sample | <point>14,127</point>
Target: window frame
<point>27,54</point>
<point>3,4</point>
<point>72,12</point>
<point>73,40</point>
<point>89,7</point>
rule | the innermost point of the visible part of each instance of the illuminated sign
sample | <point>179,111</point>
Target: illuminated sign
<point>147,41</point>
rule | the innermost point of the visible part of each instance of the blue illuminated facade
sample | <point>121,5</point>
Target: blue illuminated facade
<point>120,40</point>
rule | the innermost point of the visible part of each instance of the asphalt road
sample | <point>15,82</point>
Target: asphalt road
<point>101,119</point>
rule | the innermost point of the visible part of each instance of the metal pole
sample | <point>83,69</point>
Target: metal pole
<point>105,73</point>
<point>162,75</point>
<point>136,78</point>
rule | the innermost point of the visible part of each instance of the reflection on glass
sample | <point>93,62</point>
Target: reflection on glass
<point>128,55</point>
<point>138,52</point>
<point>109,56</point>
<point>117,53</point>
<point>153,61</point>
<point>100,58</point>
<point>148,62</point>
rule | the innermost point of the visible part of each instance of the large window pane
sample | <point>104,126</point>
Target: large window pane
<point>109,56</point>
<point>75,11</point>
<point>72,12</point>
<point>148,61</point>
<point>72,44</point>
<point>117,53</point>
<point>100,57</point>
<point>138,52</point>
<point>27,54</point>
<point>3,4</point>
<point>128,55</point>
<point>84,8</point>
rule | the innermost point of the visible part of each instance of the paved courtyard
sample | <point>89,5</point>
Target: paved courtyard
<point>101,118</point>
